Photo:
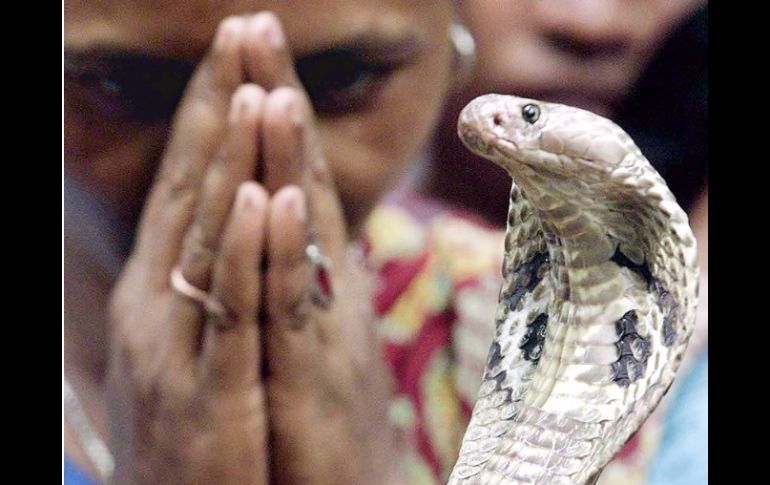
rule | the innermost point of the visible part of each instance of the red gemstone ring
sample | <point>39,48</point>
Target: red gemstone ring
<point>321,284</point>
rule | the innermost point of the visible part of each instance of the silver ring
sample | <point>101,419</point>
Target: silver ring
<point>217,314</point>
<point>184,288</point>
<point>321,291</point>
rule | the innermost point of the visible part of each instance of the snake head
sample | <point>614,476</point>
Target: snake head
<point>513,131</point>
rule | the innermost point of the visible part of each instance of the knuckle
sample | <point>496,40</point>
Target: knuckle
<point>172,386</point>
<point>231,259</point>
<point>198,254</point>
<point>216,77</point>
<point>290,266</point>
<point>128,348</point>
<point>289,288</point>
<point>130,360</point>
<point>221,314</point>
<point>177,176</point>
<point>298,312</point>
<point>207,92</point>
<point>290,308</point>
<point>319,168</point>
<point>235,292</point>
<point>180,173</point>
<point>237,261</point>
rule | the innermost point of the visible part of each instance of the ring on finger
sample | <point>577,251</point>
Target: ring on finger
<point>183,287</point>
<point>216,312</point>
<point>321,292</point>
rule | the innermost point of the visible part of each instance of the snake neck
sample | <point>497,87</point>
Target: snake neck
<point>573,236</point>
<point>590,237</point>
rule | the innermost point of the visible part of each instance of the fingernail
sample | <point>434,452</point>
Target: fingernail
<point>244,103</point>
<point>275,35</point>
<point>226,32</point>
<point>271,30</point>
<point>248,196</point>
<point>295,114</point>
<point>297,204</point>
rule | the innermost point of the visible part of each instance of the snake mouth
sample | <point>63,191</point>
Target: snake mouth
<point>486,143</point>
<point>507,148</point>
<point>473,140</point>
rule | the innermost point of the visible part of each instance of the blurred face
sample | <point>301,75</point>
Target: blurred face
<point>376,72</point>
<point>585,53</point>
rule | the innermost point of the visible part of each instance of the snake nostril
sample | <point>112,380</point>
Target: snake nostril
<point>498,119</point>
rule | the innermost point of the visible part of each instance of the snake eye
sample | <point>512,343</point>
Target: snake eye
<point>530,113</point>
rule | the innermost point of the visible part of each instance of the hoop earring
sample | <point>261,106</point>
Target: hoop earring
<point>465,51</point>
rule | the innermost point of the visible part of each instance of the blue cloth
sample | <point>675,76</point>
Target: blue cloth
<point>682,458</point>
<point>73,475</point>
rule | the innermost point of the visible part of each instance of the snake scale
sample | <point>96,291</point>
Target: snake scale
<point>598,299</point>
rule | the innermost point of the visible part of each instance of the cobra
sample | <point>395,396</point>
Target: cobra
<point>598,299</point>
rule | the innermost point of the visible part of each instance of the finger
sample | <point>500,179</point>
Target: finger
<point>233,164</point>
<point>282,135</point>
<point>199,124</point>
<point>293,153</point>
<point>290,136</point>
<point>230,356</point>
<point>291,343</point>
<point>269,62</point>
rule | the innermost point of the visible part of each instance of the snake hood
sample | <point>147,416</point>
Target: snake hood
<point>598,299</point>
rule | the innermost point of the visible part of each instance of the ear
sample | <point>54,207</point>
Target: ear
<point>465,52</point>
